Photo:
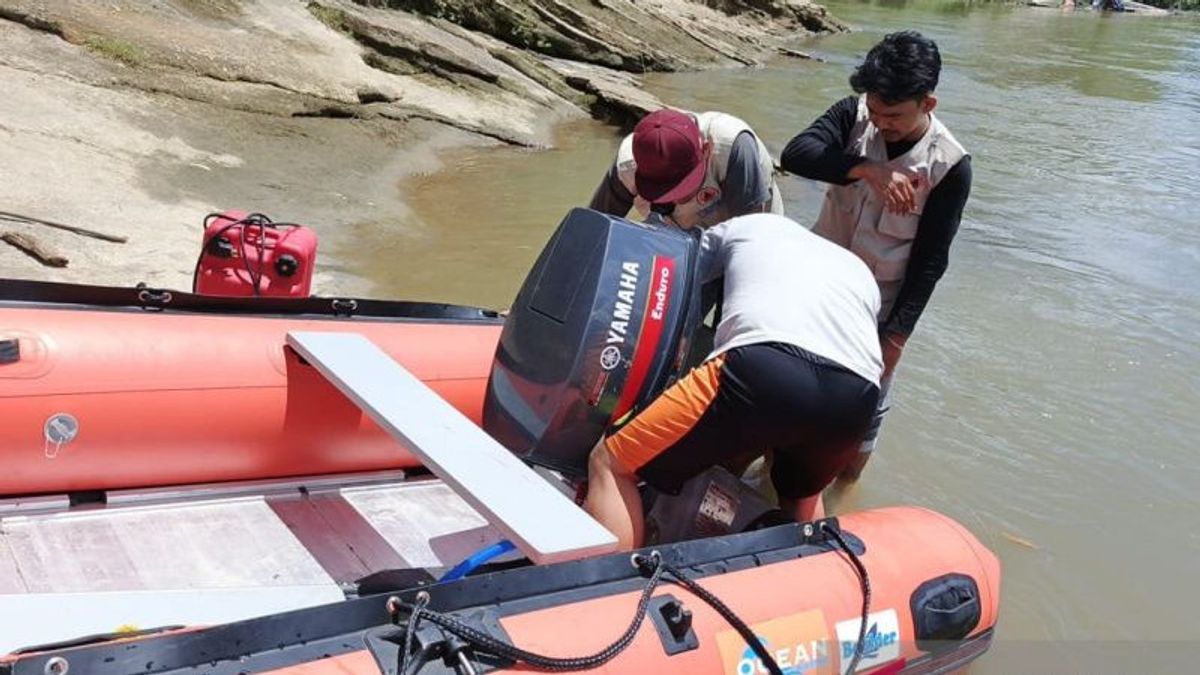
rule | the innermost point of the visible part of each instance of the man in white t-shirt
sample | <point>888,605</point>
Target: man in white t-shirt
<point>794,371</point>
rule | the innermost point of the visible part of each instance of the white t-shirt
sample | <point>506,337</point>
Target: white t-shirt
<point>785,284</point>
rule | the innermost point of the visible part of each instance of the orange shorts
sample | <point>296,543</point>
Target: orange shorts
<point>768,397</point>
<point>666,420</point>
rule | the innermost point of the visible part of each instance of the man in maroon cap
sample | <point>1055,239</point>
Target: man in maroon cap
<point>693,168</point>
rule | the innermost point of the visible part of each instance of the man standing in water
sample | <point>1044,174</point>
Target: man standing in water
<point>898,184</point>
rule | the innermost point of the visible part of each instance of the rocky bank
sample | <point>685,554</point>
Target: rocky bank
<point>136,118</point>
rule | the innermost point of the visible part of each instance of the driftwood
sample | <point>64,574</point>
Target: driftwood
<point>797,54</point>
<point>18,218</point>
<point>1020,541</point>
<point>34,248</point>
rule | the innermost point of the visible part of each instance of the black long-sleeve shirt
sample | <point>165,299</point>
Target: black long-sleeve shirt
<point>819,153</point>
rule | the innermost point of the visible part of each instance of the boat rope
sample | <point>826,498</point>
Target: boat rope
<point>865,582</point>
<point>651,563</point>
<point>658,570</point>
<point>503,649</point>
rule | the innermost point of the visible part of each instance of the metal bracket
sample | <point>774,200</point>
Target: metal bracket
<point>814,532</point>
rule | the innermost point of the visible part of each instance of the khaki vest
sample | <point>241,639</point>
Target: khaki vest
<point>721,130</point>
<point>854,218</point>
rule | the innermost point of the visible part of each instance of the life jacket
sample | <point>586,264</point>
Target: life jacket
<point>855,218</point>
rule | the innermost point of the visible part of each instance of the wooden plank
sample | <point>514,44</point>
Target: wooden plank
<point>535,516</point>
<point>427,523</point>
<point>18,218</point>
<point>339,535</point>
<point>34,249</point>
<point>327,546</point>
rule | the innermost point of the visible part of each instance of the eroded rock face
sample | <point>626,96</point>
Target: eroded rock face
<point>160,110</point>
<point>658,35</point>
<point>479,64</point>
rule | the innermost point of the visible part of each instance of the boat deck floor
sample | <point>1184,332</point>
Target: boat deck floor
<point>217,553</point>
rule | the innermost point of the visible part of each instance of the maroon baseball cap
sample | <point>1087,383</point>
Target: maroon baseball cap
<point>670,157</point>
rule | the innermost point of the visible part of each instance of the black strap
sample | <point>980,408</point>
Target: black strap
<point>141,297</point>
<point>657,569</point>
<point>865,585</point>
<point>489,644</point>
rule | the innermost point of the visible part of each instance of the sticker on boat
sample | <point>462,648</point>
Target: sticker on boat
<point>881,644</point>
<point>799,643</point>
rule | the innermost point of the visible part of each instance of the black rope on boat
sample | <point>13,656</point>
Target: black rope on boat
<point>492,645</point>
<point>413,618</point>
<point>866,593</point>
<point>657,568</point>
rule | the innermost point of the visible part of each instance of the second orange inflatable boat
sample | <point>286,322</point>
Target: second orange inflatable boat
<point>108,388</point>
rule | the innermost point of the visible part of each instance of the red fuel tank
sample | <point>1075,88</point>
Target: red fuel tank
<point>247,254</point>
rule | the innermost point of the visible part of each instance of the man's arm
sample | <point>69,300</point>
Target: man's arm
<point>712,251</point>
<point>819,152</point>
<point>611,196</point>
<point>746,189</point>
<point>930,251</point>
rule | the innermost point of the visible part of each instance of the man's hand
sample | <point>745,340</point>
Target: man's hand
<point>892,346</point>
<point>897,187</point>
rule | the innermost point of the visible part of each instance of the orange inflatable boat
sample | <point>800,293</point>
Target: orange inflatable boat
<point>107,388</point>
<point>887,591</point>
<point>288,545</point>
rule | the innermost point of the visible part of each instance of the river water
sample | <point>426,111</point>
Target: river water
<point>1050,398</point>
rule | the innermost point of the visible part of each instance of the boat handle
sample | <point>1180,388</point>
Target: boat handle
<point>10,351</point>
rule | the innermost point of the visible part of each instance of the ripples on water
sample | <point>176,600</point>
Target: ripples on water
<point>1052,391</point>
<point>1067,327</point>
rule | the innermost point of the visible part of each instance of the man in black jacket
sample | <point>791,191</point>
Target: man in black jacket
<point>898,183</point>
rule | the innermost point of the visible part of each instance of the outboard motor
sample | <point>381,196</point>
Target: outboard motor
<point>249,255</point>
<point>600,327</point>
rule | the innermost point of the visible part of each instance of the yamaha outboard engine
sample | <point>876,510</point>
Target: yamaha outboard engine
<point>600,327</point>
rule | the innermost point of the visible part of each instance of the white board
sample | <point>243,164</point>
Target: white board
<point>543,523</point>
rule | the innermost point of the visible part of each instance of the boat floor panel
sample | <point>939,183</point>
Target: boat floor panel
<point>226,544</point>
<point>10,575</point>
<point>219,553</point>
<point>429,525</point>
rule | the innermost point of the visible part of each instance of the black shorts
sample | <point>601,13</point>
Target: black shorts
<point>746,402</point>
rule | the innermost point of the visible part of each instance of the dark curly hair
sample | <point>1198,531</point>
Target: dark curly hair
<point>904,66</point>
